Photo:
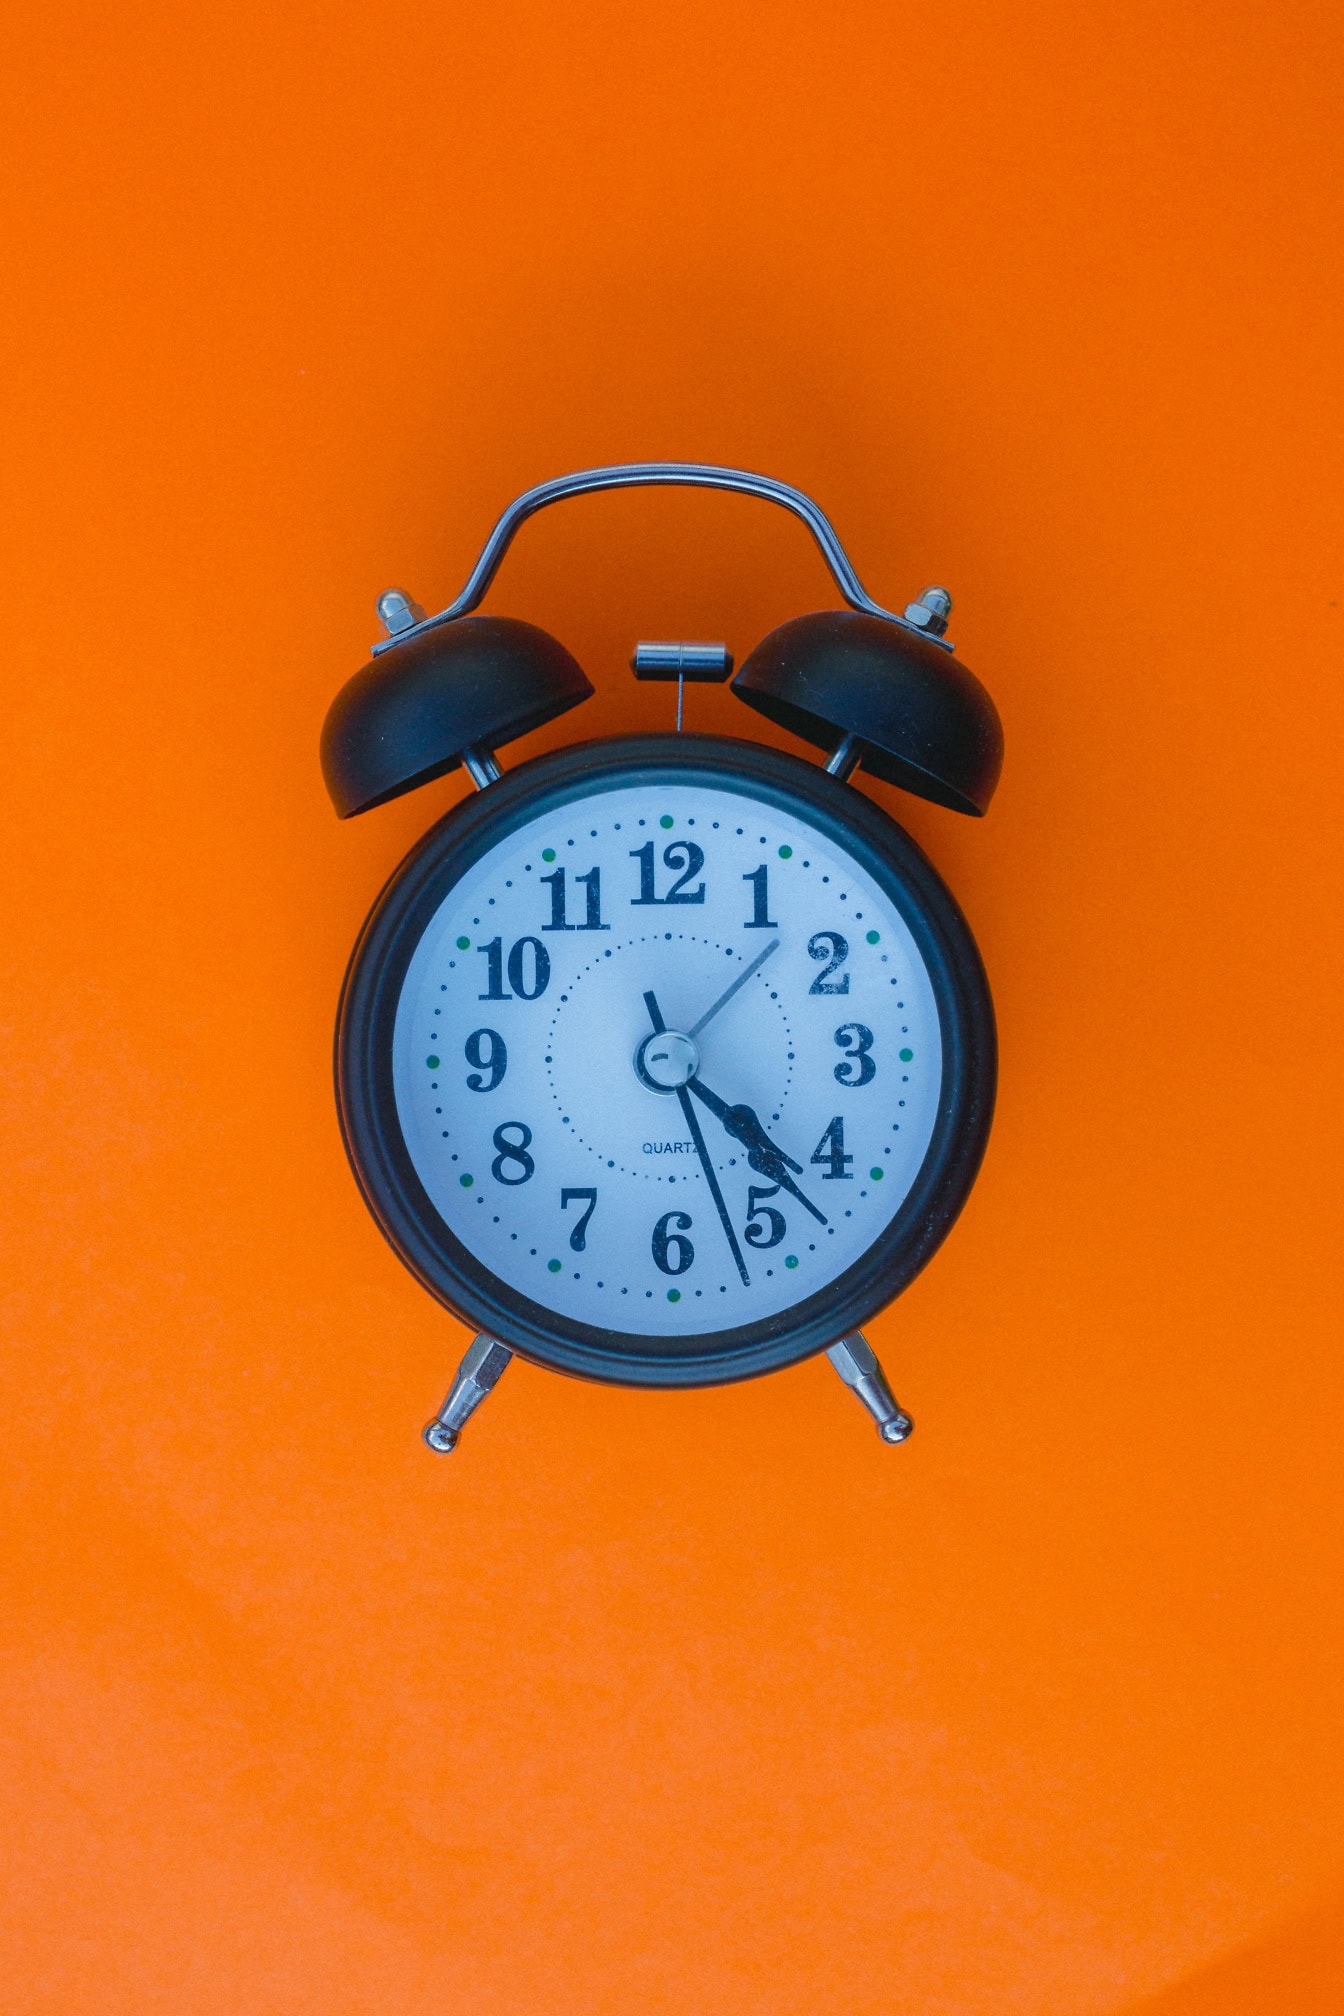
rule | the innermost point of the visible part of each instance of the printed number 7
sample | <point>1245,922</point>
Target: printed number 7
<point>577,1238</point>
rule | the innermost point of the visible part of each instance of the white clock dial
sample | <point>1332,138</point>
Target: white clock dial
<point>594,1134</point>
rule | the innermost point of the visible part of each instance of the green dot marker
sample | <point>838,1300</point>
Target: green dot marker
<point>667,820</point>
<point>786,853</point>
<point>906,1056</point>
<point>548,853</point>
<point>673,1294</point>
<point>433,1063</point>
<point>875,1175</point>
<point>873,937</point>
<point>553,1266</point>
<point>466,1181</point>
<point>790,1259</point>
<point>464,944</point>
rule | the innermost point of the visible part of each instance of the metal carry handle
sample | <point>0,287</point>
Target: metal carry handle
<point>651,475</point>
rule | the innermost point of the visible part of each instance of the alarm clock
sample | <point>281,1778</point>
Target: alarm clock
<point>668,1059</point>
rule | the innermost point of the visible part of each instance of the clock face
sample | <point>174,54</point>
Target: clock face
<point>664,1049</point>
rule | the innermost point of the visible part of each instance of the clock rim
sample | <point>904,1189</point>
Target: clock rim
<point>380,1159</point>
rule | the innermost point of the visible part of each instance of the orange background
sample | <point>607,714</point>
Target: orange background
<point>701,1702</point>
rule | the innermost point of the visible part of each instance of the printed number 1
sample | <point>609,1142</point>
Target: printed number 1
<point>760,919</point>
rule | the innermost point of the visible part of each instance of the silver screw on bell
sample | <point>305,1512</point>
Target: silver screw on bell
<point>930,612</point>
<point>398,611</point>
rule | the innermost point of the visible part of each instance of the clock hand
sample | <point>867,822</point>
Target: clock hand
<point>768,1165</point>
<point>741,1122</point>
<point>762,1153</point>
<point>693,1128</point>
<point>729,992</point>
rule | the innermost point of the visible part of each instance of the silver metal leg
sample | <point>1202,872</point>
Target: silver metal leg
<point>479,1371</point>
<point>856,1362</point>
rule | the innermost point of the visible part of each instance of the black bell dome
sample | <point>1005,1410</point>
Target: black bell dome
<point>408,715</point>
<point>926,723</point>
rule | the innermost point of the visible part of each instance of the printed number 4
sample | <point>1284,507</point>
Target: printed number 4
<point>830,1152</point>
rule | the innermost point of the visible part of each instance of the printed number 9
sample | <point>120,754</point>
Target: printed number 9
<point>486,1050</point>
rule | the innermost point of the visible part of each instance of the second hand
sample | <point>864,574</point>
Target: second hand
<point>729,992</point>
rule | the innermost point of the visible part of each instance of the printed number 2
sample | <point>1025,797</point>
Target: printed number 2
<point>831,948</point>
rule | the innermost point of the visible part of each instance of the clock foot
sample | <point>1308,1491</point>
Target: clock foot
<point>856,1362</point>
<point>479,1371</point>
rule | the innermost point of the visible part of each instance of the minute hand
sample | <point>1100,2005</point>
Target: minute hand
<point>763,1156</point>
<point>693,1129</point>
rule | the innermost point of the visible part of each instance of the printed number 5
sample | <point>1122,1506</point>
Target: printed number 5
<point>772,1231</point>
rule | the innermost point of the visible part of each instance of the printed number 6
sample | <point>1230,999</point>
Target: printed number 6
<point>672,1253</point>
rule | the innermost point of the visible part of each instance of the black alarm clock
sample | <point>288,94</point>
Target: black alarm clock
<point>669,1059</point>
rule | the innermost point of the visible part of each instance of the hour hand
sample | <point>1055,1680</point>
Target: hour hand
<point>741,1122</point>
<point>763,1156</point>
<point>738,1121</point>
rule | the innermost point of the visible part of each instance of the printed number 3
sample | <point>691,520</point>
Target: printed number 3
<point>858,1067</point>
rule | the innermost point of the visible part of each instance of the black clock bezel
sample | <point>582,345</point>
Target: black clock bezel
<point>366,1099</point>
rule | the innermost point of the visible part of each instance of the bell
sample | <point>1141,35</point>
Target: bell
<point>425,700</point>
<point>912,712</point>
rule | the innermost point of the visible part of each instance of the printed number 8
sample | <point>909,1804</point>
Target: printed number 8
<point>512,1151</point>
